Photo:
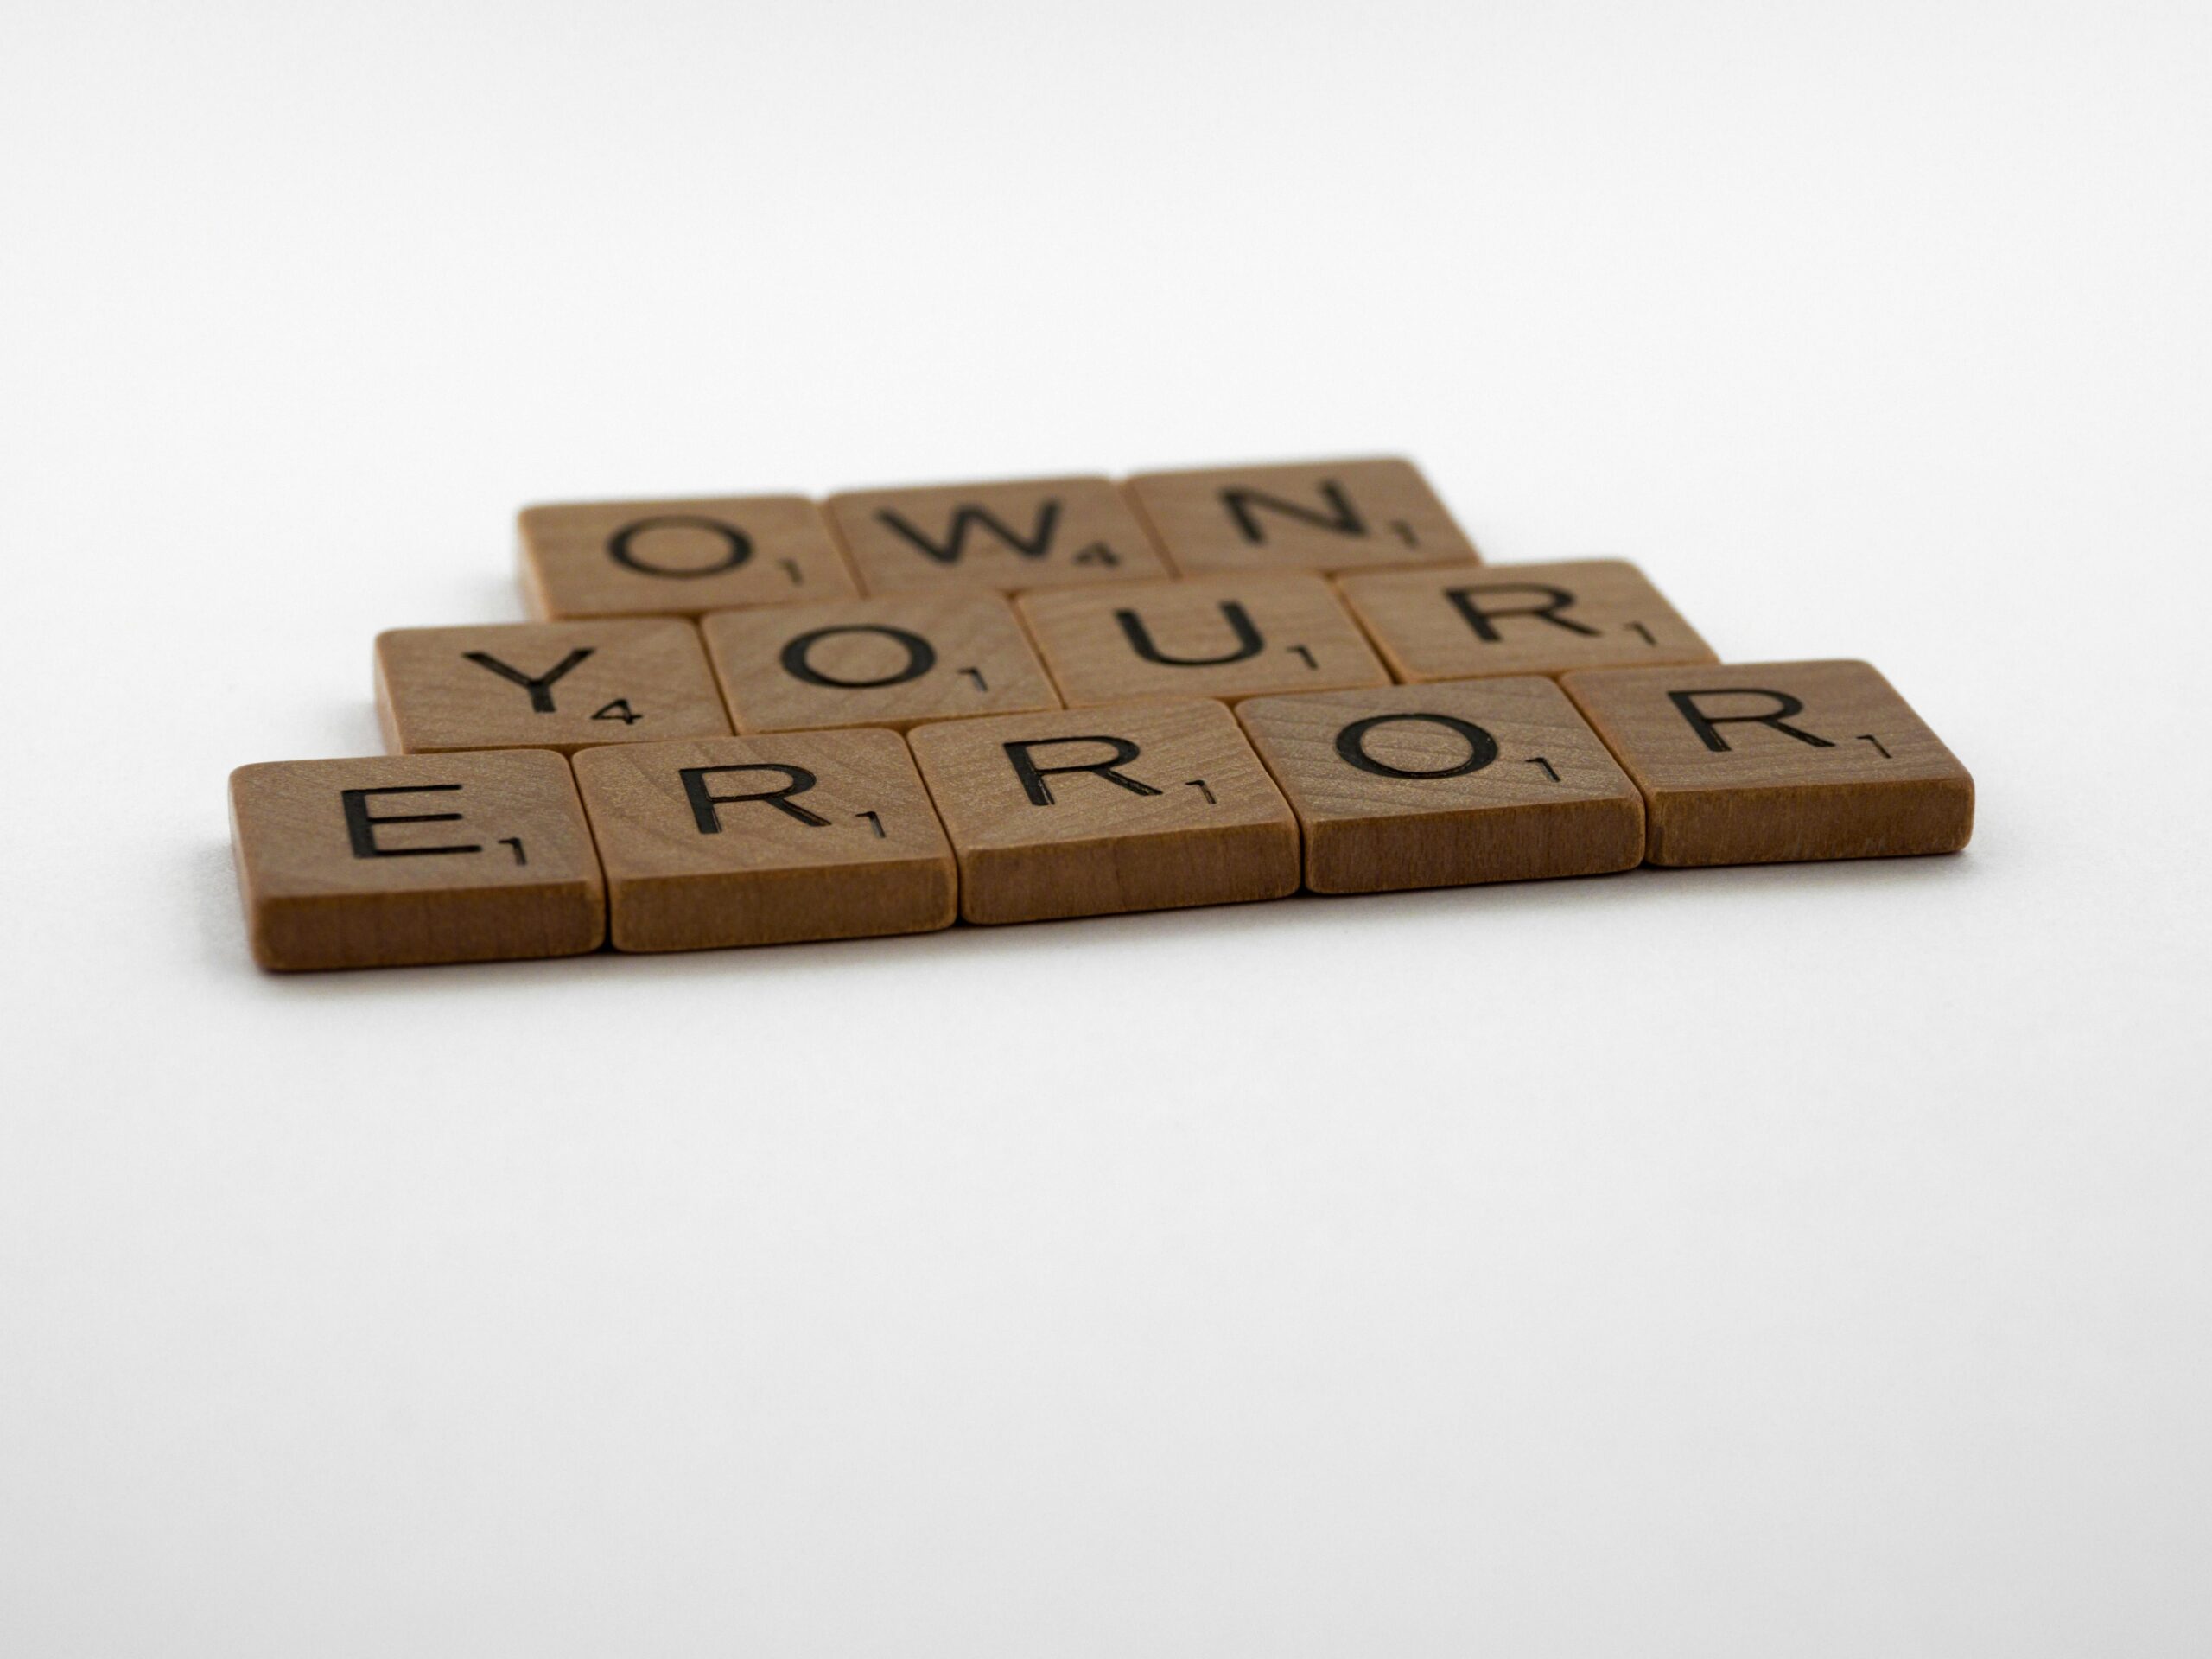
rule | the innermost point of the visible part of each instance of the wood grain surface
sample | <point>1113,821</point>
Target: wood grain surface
<point>677,558</point>
<point>545,686</point>
<point>1520,619</point>
<point>1225,636</point>
<point>1092,811</point>
<point>892,662</point>
<point>1758,762</point>
<point>1042,532</point>
<point>1328,516</point>
<point>1445,785</point>
<point>389,860</point>
<point>765,839</point>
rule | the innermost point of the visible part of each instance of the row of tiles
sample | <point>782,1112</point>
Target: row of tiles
<point>687,557</point>
<point>902,659</point>
<point>718,840</point>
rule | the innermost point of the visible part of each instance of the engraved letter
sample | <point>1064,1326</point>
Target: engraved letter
<point>1032,776</point>
<point>1709,726</point>
<point>706,807</point>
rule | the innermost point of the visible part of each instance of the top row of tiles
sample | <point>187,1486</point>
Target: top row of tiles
<point>687,557</point>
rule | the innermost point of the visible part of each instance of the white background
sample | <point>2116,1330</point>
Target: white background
<point>1788,1261</point>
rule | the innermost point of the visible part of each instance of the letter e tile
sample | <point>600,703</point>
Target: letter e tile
<point>389,860</point>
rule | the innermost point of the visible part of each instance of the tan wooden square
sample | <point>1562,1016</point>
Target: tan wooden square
<point>1225,636</point>
<point>1443,785</point>
<point>1324,515</point>
<point>395,859</point>
<point>875,662</point>
<point>545,686</point>
<point>1520,619</point>
<point>1141,806</point>
<point>1758,762</point>
<point>678,558</point>
<point>766,840</point>
<point>1043,532</point>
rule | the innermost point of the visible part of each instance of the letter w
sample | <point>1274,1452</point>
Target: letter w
<point>965,519</point>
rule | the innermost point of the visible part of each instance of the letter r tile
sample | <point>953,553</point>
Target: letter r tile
<point>1520,619</point>
<point>1093,811</point>
<point>1759,763</point>
<point>765,839</point>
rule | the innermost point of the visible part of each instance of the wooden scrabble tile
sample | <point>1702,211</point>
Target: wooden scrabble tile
<point>396,859</point>
<point>1046,532</point>
<point>1225,636</point>
<point>1443,785</point>
<point>1140,806</point>
<point>1327,515</point>
<point>1520,619</point>
<point>768,840</point>
<point>1758,762</point>
<point>545,686</point>
<point>875,662</point>
<point>678,558</point>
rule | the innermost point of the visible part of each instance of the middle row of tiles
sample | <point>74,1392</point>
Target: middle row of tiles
<point>901,659</point>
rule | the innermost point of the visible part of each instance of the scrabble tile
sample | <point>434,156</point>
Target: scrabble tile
<point>1330,516</point>
<point>1046,532</point>
<point>767,840</point>
<point>678,558</point>
<point>1445,785</point>
<point>395,859</point>
<point>1758,762</point>
<point>1140,806</point>
<point>545,686</point>
<point>1225,636</point>
<point>875,662</point>
<point>1520,619</point>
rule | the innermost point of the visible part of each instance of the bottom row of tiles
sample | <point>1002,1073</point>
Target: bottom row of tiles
<point>734,840</point>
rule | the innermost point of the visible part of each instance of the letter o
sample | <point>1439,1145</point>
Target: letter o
<point>738,544</point>
<point>1482,747</point>
<point>921,656</point>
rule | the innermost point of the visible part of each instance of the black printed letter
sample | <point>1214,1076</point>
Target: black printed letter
<point>1480,620</point>
<point>705,807</point>
<point>966,518</point>
<point>361,828</point>
<point>1709,726</point>
<point>1248,642</point>
<point>1345,521</point>
<point>738,546</point>
<point>1351,746</point>
<point>540,689</point>
<point>921,656</point>
<point>1032,776</point>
